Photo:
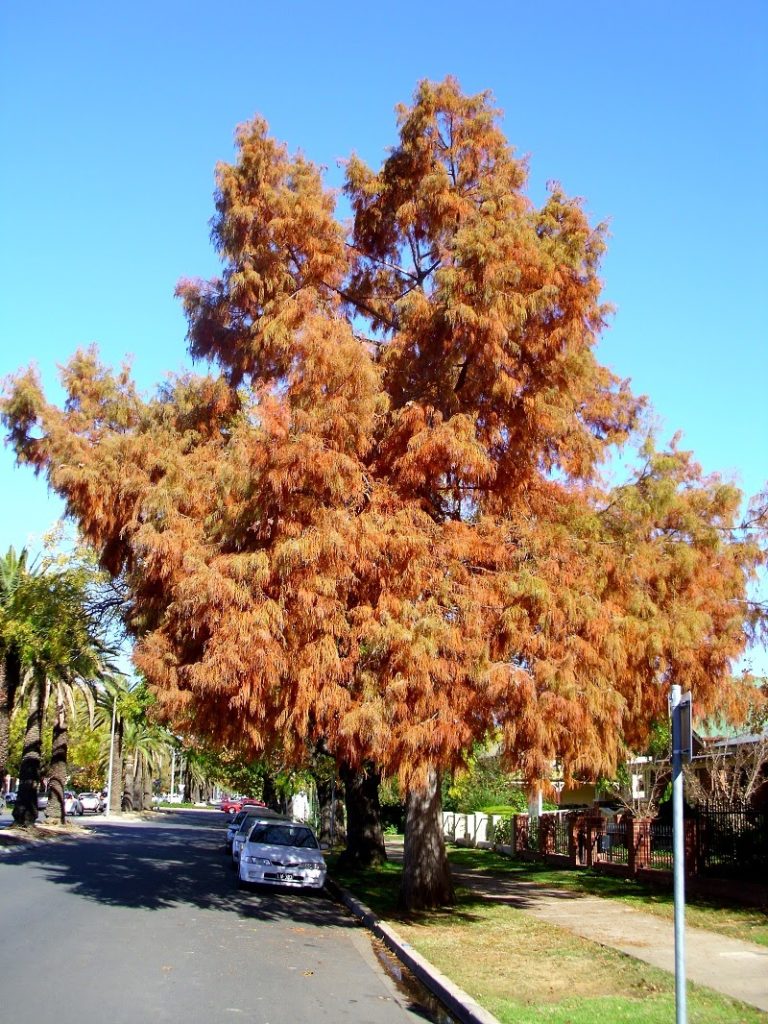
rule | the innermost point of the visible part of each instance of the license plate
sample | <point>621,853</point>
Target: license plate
<point>284,876</point>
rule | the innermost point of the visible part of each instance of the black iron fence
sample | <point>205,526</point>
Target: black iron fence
<point>561,836</point>
<point>720,842</point>
<point>732,841</point>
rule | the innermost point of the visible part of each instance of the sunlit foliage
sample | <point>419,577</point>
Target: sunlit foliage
<point>380,522</point>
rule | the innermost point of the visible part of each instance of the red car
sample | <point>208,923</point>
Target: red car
<point>233,804</point>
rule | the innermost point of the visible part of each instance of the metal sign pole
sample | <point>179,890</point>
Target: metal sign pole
<point>680,709</point>
<point>111,756</point>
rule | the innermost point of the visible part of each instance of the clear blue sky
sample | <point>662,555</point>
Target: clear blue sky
<point>112,118</point>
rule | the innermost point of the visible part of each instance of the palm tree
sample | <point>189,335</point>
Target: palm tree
<point>64,692</point>
<point>62,645</point>
<point>195,776</point>
<point>113,704</point>
<point>138,747</point>
<point>145,748</point>
<point>13,569</point>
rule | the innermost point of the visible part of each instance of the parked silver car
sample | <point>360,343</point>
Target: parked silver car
<point>91,803</point>
<point>282,853</point>
<point>72,805</point>
<point>248,822</point>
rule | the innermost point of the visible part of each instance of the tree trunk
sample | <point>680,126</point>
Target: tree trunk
<point>365,838</point>
<point>25,808</point>
<point>427,878</point>
<point>126,801</point>
<point>10,678</point>
<point>146,796</point>
<point>271,797</point>
<point>115,782</point>
<point>58,777</point>
<point>137,794</point>
<point>330,799</point>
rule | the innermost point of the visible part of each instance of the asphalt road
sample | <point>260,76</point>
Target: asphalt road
<point>142,921</point>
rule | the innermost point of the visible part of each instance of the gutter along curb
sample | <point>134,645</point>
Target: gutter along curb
<point>456,1000</point>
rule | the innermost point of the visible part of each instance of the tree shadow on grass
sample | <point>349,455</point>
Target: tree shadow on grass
<point>378,888</point>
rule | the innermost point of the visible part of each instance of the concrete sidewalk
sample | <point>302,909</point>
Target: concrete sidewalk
<point>730,966</point>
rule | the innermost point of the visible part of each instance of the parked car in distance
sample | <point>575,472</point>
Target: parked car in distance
<point>12,796</point>
<point>90,802</point>
<point>233,804</point>
<point>263,814</point>
<point>72,803</point>
<point>282,853</point>
<point>233,826</point>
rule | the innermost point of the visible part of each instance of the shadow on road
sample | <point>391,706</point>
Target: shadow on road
<point>181,859</point>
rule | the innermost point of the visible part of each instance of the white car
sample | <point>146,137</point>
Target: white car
<point>233,826</point>
<point>91,803</point>
<point>282,853</point>
<point>246,823</point>
<point>72,804</point>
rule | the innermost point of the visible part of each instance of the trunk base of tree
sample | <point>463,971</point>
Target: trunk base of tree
<point>332,828</point>
<point>365,838</point>
<point>54,812</point>
<point>427,880</point>
<point>25,808</point>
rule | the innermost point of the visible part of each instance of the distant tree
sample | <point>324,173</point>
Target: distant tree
<point>88,736</point>
<point>13,627</point>
<point>63,692</point>
<point>382,527</point>
<point>119,702</point>
<point>484,783</point>
<point>63,648</point>
<point>364,832</point>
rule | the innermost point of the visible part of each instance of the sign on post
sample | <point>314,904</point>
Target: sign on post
<point>683,734</point>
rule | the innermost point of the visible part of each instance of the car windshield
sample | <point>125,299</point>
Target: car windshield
<point>248,820</point>
<point>283,835</point>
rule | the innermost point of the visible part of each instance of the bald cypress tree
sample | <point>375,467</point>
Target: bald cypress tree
<point>379,523</point>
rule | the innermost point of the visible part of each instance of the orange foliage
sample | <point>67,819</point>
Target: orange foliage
<point>399,541</point>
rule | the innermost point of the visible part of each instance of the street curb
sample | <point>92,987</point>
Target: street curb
<point>456,1000</point>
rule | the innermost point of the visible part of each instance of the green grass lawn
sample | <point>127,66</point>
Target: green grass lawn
<point>527,971</point>
<point>735,922</point>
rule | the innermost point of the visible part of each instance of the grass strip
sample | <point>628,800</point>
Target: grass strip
<point>524,970</point>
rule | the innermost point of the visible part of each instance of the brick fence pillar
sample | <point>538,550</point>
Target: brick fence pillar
<point>629,838</point>
<point>640,852</point>
<point>573,840</point>
<point>521,832</point>
<point>580,831</point>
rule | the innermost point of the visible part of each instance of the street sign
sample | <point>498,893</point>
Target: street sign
<point>682,736</point>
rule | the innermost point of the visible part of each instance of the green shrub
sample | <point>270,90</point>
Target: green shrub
<point>502,832</point>
<point>483,784</point>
